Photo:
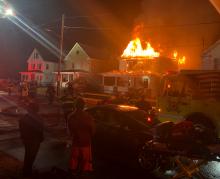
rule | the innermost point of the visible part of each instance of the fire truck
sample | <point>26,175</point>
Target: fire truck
<point>192,95</point>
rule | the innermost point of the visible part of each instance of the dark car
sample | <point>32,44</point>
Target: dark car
<point>120,132</point>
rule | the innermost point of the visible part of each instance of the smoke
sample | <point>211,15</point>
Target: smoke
<point>189,26</point>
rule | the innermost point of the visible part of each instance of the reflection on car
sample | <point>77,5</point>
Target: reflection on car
<point>120,132</point>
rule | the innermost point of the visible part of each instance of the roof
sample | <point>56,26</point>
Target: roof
<point>212,47</point>
<point>47,54</point>
<point>94,52</point>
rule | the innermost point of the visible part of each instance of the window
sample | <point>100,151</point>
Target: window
<point>77,52</point>
<point>33,66</point>
<point>39,66</point>
<point>32,77</point>
<point>47,66</point>
<point>71,77</point>
<point>122,81</point>
<point>64,77</point>
<point>36,55</point>
<point>73,66</point>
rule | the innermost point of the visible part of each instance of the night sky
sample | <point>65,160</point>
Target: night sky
<point>186,25</point>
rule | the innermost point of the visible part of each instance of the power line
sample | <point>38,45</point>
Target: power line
<point>87,16</point>
<point>184,25</point>
<point>87,28</point>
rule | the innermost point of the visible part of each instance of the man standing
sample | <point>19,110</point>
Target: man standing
<point>31,131</point>
<point>81,126</point>
<point>68,105</point>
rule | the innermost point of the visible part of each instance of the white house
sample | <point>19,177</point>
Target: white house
<point>83,60</point>
<point>211,57</point>
<point>40,68</point>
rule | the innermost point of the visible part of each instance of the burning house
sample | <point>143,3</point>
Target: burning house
<point>140,68</point>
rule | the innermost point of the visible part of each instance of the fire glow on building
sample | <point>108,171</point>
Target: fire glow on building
<point>138,58</point>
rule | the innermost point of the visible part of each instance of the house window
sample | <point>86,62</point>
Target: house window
<point>64,77</point>
<point>77,52</point>
<point>47,66</point>
<point>73,66</point>
<point>32,77</point>
<point>41,78</point>
<point>36,55</point>
<point>33,66</point>
<point>71,77</point>
<point>39,66</point>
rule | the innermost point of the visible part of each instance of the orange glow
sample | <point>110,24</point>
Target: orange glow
<point>135,49</point>
<point>175,54</point>
<point>182,60</point>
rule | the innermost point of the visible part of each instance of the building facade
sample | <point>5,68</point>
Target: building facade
<point>211,57</point>
<point>39,69</point>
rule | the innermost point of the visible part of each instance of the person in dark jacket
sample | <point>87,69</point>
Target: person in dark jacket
<point>50,93</point>
<point>31,131</point>
<point>81,126</point>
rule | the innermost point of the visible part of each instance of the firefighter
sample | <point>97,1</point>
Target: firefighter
<point>68,105</point>
<point>81,127</point>
<point>50,93</point>
<point>10,87</point>
<point>32,89</point>
<point>24,91</point>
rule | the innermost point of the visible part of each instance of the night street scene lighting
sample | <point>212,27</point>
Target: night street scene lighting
<point>146,73</point>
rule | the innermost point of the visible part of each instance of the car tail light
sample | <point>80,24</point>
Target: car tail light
<point>149,119</point>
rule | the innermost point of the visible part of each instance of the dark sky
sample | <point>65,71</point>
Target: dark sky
<point>108,24</point>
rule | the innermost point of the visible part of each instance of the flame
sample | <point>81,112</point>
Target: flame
<point>182,60</point>
<point>135,49</point>
<point>175,54</point>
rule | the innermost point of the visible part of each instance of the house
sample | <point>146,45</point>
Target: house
<point>83,60</point>
<point>211,57</point>
<point>40,67</point>
<point>122,81</point>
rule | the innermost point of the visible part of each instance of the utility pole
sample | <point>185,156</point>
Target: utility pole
<point>61,56</point>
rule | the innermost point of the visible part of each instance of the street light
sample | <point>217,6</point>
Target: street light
<point>9,12</point>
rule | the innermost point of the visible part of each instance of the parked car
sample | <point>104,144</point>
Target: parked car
<point>121,130</point>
